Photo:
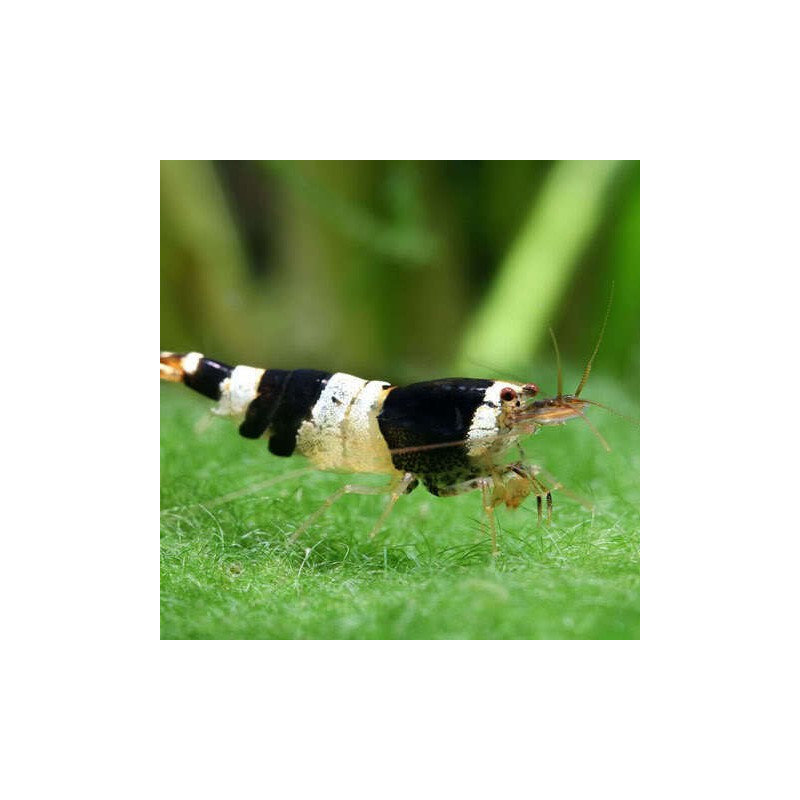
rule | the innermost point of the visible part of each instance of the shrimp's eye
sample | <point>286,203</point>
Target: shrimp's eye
<point>531,388</point>
<point>507,394</point>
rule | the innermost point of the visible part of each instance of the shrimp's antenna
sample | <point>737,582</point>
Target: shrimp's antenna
<point>594,430</point>
<point>558,365</point>
<point>613,411</point>
<point>596,347</point>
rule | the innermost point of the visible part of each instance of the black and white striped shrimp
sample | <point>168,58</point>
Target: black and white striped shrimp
<point>450,435</point>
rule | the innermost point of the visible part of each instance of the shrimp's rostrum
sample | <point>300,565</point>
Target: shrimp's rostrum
<point>450,435</point>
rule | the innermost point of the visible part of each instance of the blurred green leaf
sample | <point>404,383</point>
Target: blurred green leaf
<point>521,303</point>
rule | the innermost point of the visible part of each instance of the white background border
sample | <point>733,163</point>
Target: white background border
<point>96,705</point>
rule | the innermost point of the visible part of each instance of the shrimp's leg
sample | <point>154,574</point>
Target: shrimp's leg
<point>407,484</point>
<point>488,496</point>
<point>488,507</point>
<point>529,473</point>
<point>393,488</point>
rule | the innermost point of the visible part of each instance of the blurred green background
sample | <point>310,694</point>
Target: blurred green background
<point>403,270</point>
